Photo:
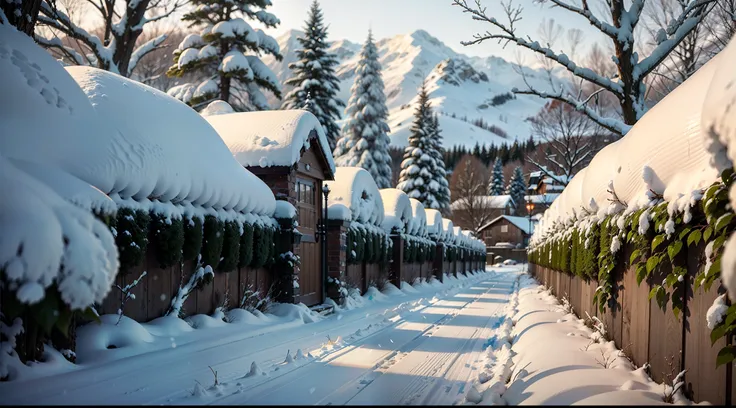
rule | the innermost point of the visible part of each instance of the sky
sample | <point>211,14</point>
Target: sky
<point>351,19</point>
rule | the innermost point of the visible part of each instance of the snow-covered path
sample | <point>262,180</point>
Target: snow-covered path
<point>425,350</point>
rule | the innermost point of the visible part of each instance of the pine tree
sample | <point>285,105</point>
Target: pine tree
<point>417,179</point>
<point>226,54</point>
<point>440,170</point>
<point>495,187</point>
<point>517,186</point>
<point>365,142</point>
<point>314,77</point>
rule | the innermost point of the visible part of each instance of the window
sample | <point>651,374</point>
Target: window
<point>305,192</point>
<point>504,228</point>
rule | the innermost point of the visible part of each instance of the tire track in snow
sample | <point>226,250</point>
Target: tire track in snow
<point>284,390</point>
<point>429,378</point>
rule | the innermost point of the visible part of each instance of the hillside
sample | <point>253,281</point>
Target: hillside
<point>459,85</point>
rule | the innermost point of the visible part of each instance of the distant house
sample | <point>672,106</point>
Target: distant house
<point>507,231</point>
<point>543,190</point>
<point>288,150</point>
<point>540,183</point>
<point>471,212</point>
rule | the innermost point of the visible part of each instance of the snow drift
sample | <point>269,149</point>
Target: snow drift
<point>664,152</point>
<point>398,211</point>
<point>147,154</point>
<point>354,190</point>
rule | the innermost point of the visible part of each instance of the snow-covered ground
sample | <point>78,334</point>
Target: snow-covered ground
<point>164,362</point>
<point>495,337</point>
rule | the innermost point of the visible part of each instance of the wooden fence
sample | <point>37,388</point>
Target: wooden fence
<point>154,292</point>
<point>649,334</point>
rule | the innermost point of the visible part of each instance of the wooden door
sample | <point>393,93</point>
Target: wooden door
<point>310,276</point>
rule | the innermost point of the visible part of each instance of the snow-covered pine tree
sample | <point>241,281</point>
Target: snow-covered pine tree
<point>517,187</point>
<point>364,142</point>
<point>314,76</point>
<point>440,172</point>
<point>495,187</point>
<point>416,175</point>
<point>227,54</point>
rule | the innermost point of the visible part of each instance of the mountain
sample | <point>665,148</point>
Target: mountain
<point>463,89</point>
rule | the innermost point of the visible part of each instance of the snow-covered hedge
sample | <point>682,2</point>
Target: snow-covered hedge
<point>660,189</point>
<point>355,197</point>
<point>434,224</point>
<point>89,160</point>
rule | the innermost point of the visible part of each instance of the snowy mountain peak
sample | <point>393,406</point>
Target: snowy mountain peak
<point>470,88</point>
<point>456,70</point>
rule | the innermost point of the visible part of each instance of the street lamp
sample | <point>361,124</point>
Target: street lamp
<point>529,209</point>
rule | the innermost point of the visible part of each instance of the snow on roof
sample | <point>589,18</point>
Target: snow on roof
<point>521,223</point>
<point>397,210</point>
<point>270,138</point>
<point>155,143</point>
<point>547,198</point>
<point>663,151</point>
<point>354,191</point>
<point>500,201</point>
<point>419,218</point>
<point>434,222</point>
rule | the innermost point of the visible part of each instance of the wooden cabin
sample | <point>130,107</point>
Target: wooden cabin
<point>288,150</point>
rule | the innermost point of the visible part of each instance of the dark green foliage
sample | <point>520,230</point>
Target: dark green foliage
<point>193,236</point>
<point>168,239</point>
<point>246,246</point>
<point>214,237</point>
<point>230,248</point>
<point>262,246</point>
<point>132,237</point>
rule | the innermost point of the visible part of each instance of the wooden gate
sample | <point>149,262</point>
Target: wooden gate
<point>310,275</point>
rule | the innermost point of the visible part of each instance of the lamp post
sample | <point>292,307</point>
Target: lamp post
<point>323,233</point>
<point>529,209</point>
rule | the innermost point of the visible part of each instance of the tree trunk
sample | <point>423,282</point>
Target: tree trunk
<point>126,43</point>
<point>26,22</point>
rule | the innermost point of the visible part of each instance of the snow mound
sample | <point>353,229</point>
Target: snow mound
<point>389,289</point>
<point>167,326</point>
<point>203,321</point>
<point>372,293</point>
<point>147,154</point>
<point>407,288</point>
<point>449,231</point>
<point>397,210</point>
<point>419,218</point>
<point>69,187</point>
<point>294,312</point>
<point>102,341</point>
<point>217,108</point>
<point>242,316</point>
<point>664,152</point>
<point>271,138</point>
<point>284,210</point>
<point>434,223</point>
<point>355,189</point>
<point>42,232</point>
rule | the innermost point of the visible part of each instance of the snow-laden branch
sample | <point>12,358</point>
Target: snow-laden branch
<point>584,11</point>
<point>613,125</point>
<point>56,43</point>
<point>548,173</point>
<point>145,20</point>
<point>55,18</point>
<point>509,35</point>
<point>664,48</point>
<point>144,49</point>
